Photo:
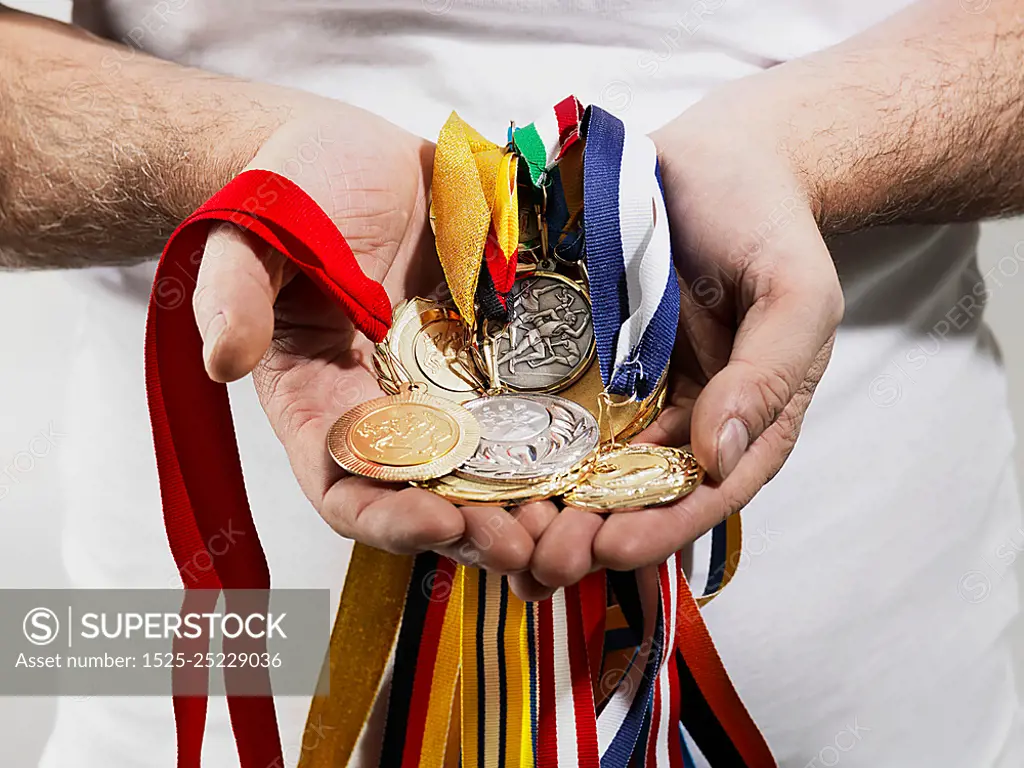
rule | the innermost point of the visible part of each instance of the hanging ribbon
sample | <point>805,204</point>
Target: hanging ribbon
<point>721,550</point>
<point>544,142</point>
<point>197,458</point>
<point>473,194</point>
<point>711,709</point>
<point>551,149</point>
<point>633,282</point>
<point>361,642</point>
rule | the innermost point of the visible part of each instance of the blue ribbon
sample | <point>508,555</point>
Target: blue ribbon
<point>605,136</point>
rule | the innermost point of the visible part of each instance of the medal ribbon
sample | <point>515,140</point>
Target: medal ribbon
<point>361,642</point>
<point>633,284</point>
<point>551,149</point>
<point>635,295</point>
<point>544,142</point>
<point>479,635</point>
<point>723,557</point>
<point>475,204</point>
<point>711,709</point>
<point>200,474</point>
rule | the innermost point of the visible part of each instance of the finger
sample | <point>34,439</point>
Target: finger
<point>527,588</point>
<point>402,521</point>
<point>563,555</point>
<point>238,281</point>
<point>535,517</point>
<point>671,427</point>
<point>783,330</point>
<point>630,540</point>
<point>491,539</point>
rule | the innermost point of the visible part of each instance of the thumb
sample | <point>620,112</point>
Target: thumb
<point>778,341</point>
<point>239,278</point>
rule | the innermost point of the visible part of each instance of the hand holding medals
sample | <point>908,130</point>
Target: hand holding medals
<point>492,398</point>
<point>562,315</point>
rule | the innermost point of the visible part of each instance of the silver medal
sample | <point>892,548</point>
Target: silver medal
<point>524,437</point>
<point>549,343</point>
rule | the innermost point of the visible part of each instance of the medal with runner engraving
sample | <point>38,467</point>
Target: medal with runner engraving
<point>408,436</point>
<point>549,342</point>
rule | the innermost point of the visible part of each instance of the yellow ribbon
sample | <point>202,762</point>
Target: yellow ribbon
<point>474,185</point>
<point>361,642</point>
<point>439,722</point>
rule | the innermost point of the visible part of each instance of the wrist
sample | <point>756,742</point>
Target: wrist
<point>789,122</point>
<point>211,155</point>
<point>744,130</point>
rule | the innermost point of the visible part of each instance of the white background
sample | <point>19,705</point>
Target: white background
<point>37,315</point>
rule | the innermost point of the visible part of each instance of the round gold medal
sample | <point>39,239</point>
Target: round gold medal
<point>408,436</point>
<point>429,340</point>
<point>624,478</point>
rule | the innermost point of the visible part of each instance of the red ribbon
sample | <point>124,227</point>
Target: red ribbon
<point>197,456</point>
<point>694,642</point>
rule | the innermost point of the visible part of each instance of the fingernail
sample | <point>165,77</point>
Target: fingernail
<point>214,329</point>
<point>732,443</point>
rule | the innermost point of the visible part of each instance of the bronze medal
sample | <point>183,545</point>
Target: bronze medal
<point>549,342</point>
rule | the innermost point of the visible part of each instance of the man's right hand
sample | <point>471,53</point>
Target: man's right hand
<point>257,314</point>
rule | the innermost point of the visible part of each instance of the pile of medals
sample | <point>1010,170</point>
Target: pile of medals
<point>501,391</point>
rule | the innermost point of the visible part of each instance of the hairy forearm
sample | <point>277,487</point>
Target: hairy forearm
<point>103,150</point>
<point>918,120</point>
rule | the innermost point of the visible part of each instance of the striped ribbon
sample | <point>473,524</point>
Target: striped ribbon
<point>552,151</point>
<point>544,142</point>
<point>721,551</point>
<point>627,713</point>
<point>628,254</point>
<point>464,676</point>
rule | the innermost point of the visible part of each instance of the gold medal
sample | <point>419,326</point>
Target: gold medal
<point>431,342</point>
<point>624,478</point>
<point>467,490</point>
<point>408,436</point>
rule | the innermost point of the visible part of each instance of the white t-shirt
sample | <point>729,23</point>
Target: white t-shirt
<point>867,625</point>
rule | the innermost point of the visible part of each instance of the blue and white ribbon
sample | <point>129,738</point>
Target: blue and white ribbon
<point>625,726</point>
<point>628,253</point>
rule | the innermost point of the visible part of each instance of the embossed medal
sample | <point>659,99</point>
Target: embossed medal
<point>430,341</point>
<point>549,342</point>
<point>526,437</point>
<point>459,489</point>
<point>408,436</point>
<point>625,478</point>
<point>532,447</point>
